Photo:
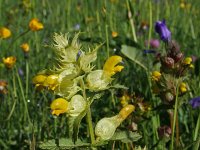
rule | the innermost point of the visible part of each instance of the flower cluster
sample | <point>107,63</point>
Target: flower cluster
<point>173,70</point>
<point>72,72</point>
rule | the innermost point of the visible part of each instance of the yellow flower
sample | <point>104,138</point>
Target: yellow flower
<point>191,66</point>
<point>155,75</point>
<point>110,67</point>
<point>182,5</point>
<point>25,47</point>
<point>9,62</point>
<point>183,87</point>
<point>5,33</point>
<point>3,87</point>
<point>51,82</point>
<point>187,61</point>
<point>106,127</point>
<point>114,34</point>
<point>35,25</point>
<point>124,100</point>
<point>59,106</point>
<point>126,111</point>
<point>39,79</point>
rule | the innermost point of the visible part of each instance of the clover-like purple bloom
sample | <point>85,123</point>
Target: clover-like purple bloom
<point>195,102</point>
<point>163,31</point>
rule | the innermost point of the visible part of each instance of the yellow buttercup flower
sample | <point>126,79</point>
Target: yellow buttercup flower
<point>5,33</point>
<point>9,62</point>
<point>59,106</point>
<point>187,61</point>
<point>183,87</point>
<point>110,67</point>
<point>114,34</point>
<point>156,76</point>
<point>25,47</point>
<point>35,25</point>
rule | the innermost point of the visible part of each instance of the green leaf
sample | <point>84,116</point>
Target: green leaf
<point>126,136</point>
<point>63,143</point>
<point>133,54</point>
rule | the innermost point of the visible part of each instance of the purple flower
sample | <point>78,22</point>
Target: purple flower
<point>195,102</point>
<point>154,43</point>
<point>163,31</point>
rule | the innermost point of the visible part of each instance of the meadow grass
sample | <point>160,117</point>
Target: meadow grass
<point>25,118</point>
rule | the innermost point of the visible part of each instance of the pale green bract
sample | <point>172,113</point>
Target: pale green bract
<point>96,81</point>
<point>106,127</point>
<point>76,105</point>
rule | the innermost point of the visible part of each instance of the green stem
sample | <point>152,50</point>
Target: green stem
<point>174,119</point>
<point>197,129</point>
<point>88,116</point>
<point>23,97</point>
<point>150,23</point>
<point>15,39</point>
<point>131,21</point>
<point>107,41</point>
<point>27,77</point>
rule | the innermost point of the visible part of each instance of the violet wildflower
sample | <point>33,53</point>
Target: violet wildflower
<point>163,31</point>
<point>153,43</point>
<point>195,102</point>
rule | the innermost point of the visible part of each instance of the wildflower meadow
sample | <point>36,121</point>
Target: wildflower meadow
<point>100,74</point>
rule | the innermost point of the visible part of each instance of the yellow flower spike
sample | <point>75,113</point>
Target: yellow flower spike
<point>25,47</point>
<point>5,33</point>
<point>39,79</point>
<point>59,106</point>
<point>126,111</point>
<point>9,62</point>
<point>35,25</point>
<point>156,76</point>
<point>51,82</point>
<point>183,87</point>
<point>110,67</point>
<point>187,61</point>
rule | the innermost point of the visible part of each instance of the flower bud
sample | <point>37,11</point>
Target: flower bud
<point>163,31</point>
<point>164,131</point>
<point>178,57</point>
<point>169,96</point>
<point>168,62</point>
